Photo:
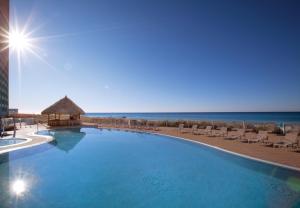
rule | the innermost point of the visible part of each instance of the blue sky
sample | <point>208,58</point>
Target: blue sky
<point>152,56</point>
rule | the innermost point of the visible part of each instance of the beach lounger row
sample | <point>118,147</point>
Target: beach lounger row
<point>208,131</point>
<point>289,140</point>
<point>223,132</point>
<point>233,135</point>
<point>253,137</point>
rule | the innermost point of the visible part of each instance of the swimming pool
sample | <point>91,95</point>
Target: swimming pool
<point>11,141</point>
<point>90,167</point>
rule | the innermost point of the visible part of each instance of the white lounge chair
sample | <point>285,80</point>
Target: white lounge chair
<point>206,131</point>
<point>219,133</point>
<point>148,126</point>
<point>233,135</point>
<point>181,129</point>
<point>296,147</point>
<point>290,140</point>
<point>194,128</point>
<point>253,137</point>
<point>260,137</point>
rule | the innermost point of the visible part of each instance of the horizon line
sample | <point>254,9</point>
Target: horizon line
<point>206,112</point>
<point>169,112</point>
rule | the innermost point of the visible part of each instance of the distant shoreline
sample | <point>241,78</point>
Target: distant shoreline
<point>253,117</point>
<point>179,112</point>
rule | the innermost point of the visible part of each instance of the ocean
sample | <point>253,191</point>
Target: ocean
<point>277,117</point>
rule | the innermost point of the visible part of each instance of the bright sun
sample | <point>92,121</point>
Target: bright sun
<point>21,41</point>
<point>18,41</point>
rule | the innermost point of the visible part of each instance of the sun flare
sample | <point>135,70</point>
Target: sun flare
<point>18,187</point>
<point>18,41</point>
<point>21,42</point>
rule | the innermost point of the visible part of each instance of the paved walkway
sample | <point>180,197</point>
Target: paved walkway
<point>27,132</point>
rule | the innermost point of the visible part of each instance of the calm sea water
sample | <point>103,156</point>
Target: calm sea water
<point>278,117</point>
<point>100,168</point>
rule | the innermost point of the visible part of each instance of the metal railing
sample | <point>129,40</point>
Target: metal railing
<point>12,124</point>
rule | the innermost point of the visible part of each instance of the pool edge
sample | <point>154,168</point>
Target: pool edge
<point>30,142</point>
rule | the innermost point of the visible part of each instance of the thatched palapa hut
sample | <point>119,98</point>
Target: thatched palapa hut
<point>63,113</point>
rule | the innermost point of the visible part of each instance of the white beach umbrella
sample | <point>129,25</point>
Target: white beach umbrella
<point>283,128</point>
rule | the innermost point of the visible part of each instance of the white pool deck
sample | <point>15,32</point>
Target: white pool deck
<point>28,133</point>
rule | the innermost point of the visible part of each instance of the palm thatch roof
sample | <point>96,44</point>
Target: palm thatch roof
<point>64,106</point>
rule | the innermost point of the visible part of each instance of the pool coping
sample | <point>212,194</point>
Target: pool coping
<point>21,138</point>
<point>46,139</point>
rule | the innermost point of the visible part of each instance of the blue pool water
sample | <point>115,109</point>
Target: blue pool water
<point>277,117</point>
<point>5,142</point>
<point>100,168</point>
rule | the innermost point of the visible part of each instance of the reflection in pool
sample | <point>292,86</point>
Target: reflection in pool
<point>100,168</point>
<point>18,186</point>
